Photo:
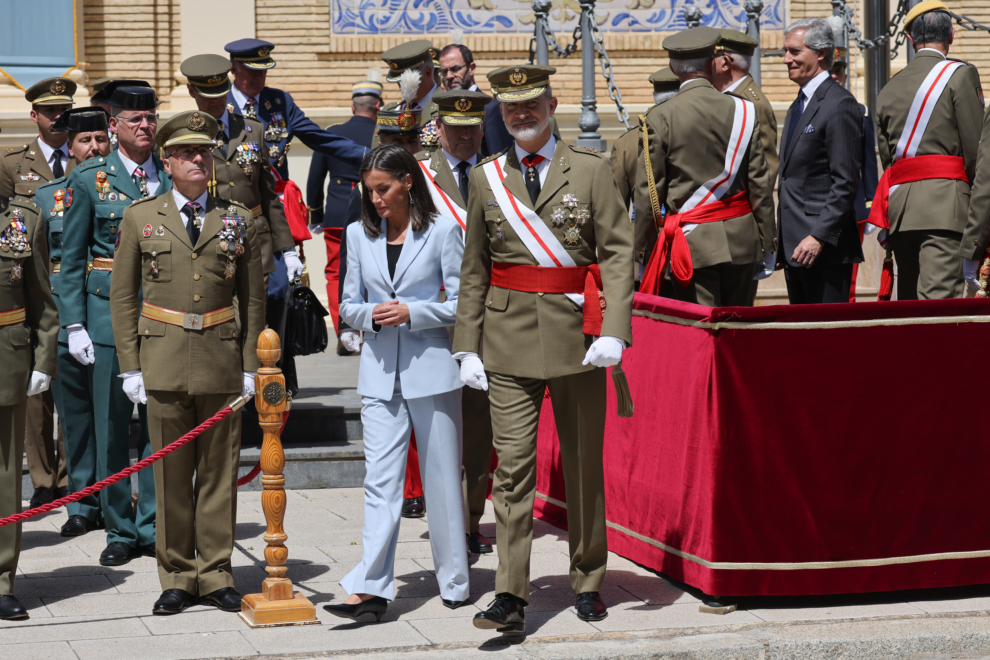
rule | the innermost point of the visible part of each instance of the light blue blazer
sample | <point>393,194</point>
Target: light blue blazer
<point>418,350</point>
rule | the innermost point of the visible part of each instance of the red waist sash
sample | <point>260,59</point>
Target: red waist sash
<point>574,279</point>
<point>672,244</point>
<point>909,170</point>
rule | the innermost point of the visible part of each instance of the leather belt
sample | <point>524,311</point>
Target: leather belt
<point>100,263</point>
<point>13,317</point>
<point>256,211</point>
<point>187,320</point>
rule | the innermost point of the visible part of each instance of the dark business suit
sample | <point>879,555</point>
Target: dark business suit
<point>497,138</point>
<point>820,169</point>
<point>869,178</point>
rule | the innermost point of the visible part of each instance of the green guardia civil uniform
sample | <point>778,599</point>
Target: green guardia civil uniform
<point>531,342</point>
<point>191,352</point>
<point>101,190</point>
<point>26,309</point>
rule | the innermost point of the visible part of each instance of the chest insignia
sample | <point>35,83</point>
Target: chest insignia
<point>16,273</point>
<point>122,197</point>
<point>248,154</point>
<point>14,235</point>
<point>102,185</point>
<point>248,129</point>
<point>160,231</point>
<point>492,203</point>
<point>569,200</point>
<point>277,129</point>
<point>112,197</point>
<point>116,244</point>
<point>232,239</point>
<point>572,235</point>
<point>30,176</point>
<point>230,107</point>
<point>59,208</point>
<point>147,231</point>
<point>558,216</point>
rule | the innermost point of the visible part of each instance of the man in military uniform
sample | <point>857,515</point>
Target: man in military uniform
<point>241,170</point>
<point>251,59</point>
<point>699,148</point>
<point>929,158</point>
<point>410,65</point>
<point>88,139</point>
<point>28,337</point>
<point>100,189</point>
<point>102,96</point>
<point>543,221</point>
<point>366,100</point>
<point>188,253</point>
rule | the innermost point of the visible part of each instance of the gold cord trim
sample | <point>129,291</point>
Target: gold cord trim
<point>650,179</point>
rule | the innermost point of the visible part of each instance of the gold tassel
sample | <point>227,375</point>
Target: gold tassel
<point>623,397</point>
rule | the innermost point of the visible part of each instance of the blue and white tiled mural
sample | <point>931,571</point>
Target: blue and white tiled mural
<point>486,16</point>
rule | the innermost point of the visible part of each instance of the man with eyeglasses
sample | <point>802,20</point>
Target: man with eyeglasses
<point>98,192</point>
<point>457,67</point>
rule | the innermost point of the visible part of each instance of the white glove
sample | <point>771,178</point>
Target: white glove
<point>764,269</point>
<point>870,229</point>
<point>315,229</point>
<point>604,352</point>
<point>80,345</point>
<point>971,271</point>
<point>134,386</point>
<point>39,383</point>
<point>292,264</point>
<point>247,389</point>
<point>473,372</point>
<point>351,339</point>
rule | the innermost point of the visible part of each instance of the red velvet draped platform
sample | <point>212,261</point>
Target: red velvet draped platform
<point>806,449</point>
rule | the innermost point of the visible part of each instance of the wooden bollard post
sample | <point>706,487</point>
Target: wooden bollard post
<point>276,605</point>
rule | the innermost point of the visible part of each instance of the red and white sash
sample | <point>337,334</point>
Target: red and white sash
<point>530,227</point>
<point>442,200</point>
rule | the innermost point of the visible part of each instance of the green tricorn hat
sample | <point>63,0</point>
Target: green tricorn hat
<point>193,127</point>
<point>734,41</point>
<point>51,91</point>
<point>690,44</point>
<point>512,84</point>
<point>399,122</point>
<point>409,55</point>
<point>461,107</point>
<point>665,80</point>
<point>207,74</point>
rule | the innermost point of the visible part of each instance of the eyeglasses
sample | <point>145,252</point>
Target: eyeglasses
<point>137,120</point>
<point>190,152</point>
<point>453,69</point>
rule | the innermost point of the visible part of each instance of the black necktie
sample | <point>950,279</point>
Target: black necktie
<point>795,119</point>
<point>462,179</point>
<point>57,168</point>
<point>191,209</point>
<point>532,176</point>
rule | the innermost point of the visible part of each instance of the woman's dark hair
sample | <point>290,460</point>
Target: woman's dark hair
<point>397,162</point>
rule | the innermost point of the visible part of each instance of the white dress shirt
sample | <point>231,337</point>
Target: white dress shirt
<point>149,169</point>
<point>809,87</point>
<point>241,99</point>
<point>180,202</point>
<point>546,151</point>
<point>732,87</point>
<point>48,151</point>
<point>454,161</point>
<point>940,53</point>
<point>693,80</point>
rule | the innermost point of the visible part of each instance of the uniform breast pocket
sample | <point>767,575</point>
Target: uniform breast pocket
<point>156,260</point>
<point>108,220</point>
<point>496,229</point>
<point>12,269</point>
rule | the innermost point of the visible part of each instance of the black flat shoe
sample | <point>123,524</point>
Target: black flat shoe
<point>478,544</point>
<point>117,553</point>
<point>225,599</point>
<point>62,492</point>
<point>41,497</point>
<point>453,604</point>
<point>11,609</point>
<point>507,613</point>
<point>146,550</point>
<point>590,606</point>
<point>78,525</point>
<point>375,605</point>
<point>173,601</point>
<point>414,507</point>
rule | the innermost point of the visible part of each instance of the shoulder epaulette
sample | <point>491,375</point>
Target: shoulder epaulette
<point>142,201</point>
<point>92,162</point>
<point>585,150</point>
<point>339,123</point>
<point>492,157</point>
<point>25,203</point>
<point>16,150</point>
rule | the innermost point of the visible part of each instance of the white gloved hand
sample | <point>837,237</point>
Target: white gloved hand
<point>134,386</point>
<point>247,389</point>
<point>604,352</point>
<point>80,345</point>
<point>473,372</point>
<point>971,271</point>
<point>292,264</point>
<point>315,229</point>
<point>39,383</point>
<point>869,230</point>
<point>351,339</point>
<point>765,268</point>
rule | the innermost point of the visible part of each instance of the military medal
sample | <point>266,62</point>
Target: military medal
<point>154,268</point>
<point>273,152</point>
<point>230,270</point>
<point>112,197</point>
<point>569,200</point>
<point>558,216</point>
<point>583,215</point>
<point>102,186</point>
<point>147,231</point>
<point>572,235</point>
<point>122,197</point>
<point>59,202</point>
<point>30,176</point>
<point>224,245</point>
<point>248,154</point>
<point>16,272</point>
<point>160,231</point>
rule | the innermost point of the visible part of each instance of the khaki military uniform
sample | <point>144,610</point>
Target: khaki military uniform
<point>976,236</point>
<point>688,139</point>
<point>24,169</point>
<point>532,342</point>
<point>927,218</point>
<point>189,374</point>
<point>28,342</point>
<point>749,90</point>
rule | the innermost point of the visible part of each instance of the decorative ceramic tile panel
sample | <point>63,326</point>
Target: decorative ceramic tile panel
<point>421,16</point>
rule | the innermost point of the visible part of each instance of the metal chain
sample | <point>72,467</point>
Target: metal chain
<point>606,64</point>
<point>552,42</point>
<point>967,23</point>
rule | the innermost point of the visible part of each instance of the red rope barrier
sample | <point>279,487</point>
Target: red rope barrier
<point>249,477</point>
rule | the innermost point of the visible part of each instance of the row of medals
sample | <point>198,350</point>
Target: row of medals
<point>232,239</point>
<point>574,219</point>
<point>14,237</point>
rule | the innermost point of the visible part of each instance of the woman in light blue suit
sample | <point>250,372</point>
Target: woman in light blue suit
<point>398,257</point>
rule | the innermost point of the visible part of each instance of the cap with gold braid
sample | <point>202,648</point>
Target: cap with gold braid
<point>193,127</point>
<point>252,53</point>
<point>923,8</point>
<point>734,41</point>
<point>665,80</point>
<point>207,74</point>
<point>399,122</point>
<point>409,55</point>
<point>693,43</point>
<point>51,91</point>
<point>461,107</point>
<point>512,84</point>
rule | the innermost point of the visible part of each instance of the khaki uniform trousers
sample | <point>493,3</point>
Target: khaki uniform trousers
<point>579,409</point>
<point>721,285</point>
<point>928,264</point>
<point>11,457</point>
<point>47,468</point>
<point>477,417</point>
<point>196,518</point>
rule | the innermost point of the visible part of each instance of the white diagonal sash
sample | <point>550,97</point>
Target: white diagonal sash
<point>529,226</point>
<point>441,199</point>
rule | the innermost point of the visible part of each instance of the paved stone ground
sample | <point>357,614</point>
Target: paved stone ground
<point>82,610</point>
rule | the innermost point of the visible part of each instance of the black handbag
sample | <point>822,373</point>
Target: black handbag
<point>305,321</point>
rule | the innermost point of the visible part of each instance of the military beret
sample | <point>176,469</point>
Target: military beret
<point>252,53</point>
<point>512,84</point>
<point>665,80</point>
<point>693,43</point>
<point>923,8</point>
<point>406,56</point>
<point>192,127</point>
<point>82,120</point>
<point>207,74</point>
<point>734,41</point>
<point>105,93</point>
<point>51,91</point>
<point>134,98</point>
<point>461,107</point>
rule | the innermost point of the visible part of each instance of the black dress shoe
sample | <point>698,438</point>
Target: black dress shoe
<point>453,604</point>
<point>41,497</point>
<point>146,550</point>
<point>507,613</point>
<point>478,544</point>
<point>414,507</point>
<point>62,492</point>
<point>173,601</point>
<point>225,599</point>
<point>78,525</point>
<point>11,609</point>
<point>117,553</point>
<point>375,605</point>
<point>590,607</point>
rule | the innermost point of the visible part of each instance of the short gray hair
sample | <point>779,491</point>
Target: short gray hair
<point>932,27</point>
<point>819,36</point>
<point>740,61</point>
<point>684,67</point>
<point>660,97</point>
